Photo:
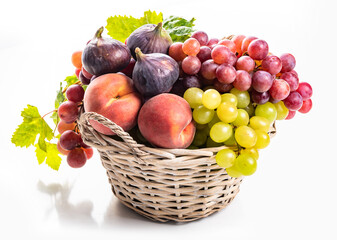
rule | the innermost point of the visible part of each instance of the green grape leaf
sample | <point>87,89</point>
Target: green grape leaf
<point>179,28</point>
<point>50,155</point>
<point>25,134</point>
<point>41,154</point>
<point>120,27</point>
<point>53,159</point>
<point>70,80</point>
<point>60,98</point>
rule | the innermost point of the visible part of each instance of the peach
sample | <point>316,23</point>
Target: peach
<point>114,97</point>
<point>166,121</point>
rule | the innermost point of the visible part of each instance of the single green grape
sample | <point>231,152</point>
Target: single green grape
<point>230,98</point>
<point>242,97</point>
<point>231,141</point>
<point>220,132</point>
<point>251,151</point>
<point>227,112</point>
<point>210,143</point>
<point>193,96</point>
<point>202,115</point>
<point>263,139</point>
<point>246,164</point>
<point>282,110</point>
<point>267,110</point>
<point>242,119</point>
<point>199,138</point>
<point>245,136</point>
<point>259,123</point>
<point>225,158</point>
<point>233,171</point>
<point>215,120</point>
<point>250,109</point>
<point>211,99</point>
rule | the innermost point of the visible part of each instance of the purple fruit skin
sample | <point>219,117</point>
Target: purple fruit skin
<point>105,55</point>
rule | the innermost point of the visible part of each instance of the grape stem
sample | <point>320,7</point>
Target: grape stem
<point>55,110</point>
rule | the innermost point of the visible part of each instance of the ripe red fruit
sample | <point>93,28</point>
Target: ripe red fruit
<point>76,158</point>
<point>258,49</point>
<point>75,93</point>
<point>306,107</point>
<point>70,140</point>
<point>68,111</point>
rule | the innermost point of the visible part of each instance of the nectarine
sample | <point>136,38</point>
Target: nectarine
<point>114,97</point>
<point>166,121</point>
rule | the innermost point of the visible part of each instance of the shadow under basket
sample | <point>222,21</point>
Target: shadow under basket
<point>180,185</point>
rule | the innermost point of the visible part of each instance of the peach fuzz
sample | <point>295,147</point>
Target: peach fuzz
<point>166,121</point>
<point>114,97</point>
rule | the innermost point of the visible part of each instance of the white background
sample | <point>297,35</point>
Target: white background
<point>291,196</point>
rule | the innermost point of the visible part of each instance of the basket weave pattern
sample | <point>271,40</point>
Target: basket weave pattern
<point>161,184</point>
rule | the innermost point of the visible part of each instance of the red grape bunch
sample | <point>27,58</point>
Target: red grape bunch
<point>70,142</point>
<point>237,89</point>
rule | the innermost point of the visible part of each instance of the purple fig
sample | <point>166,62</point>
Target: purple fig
<point>154,73</point>
<point>105,55</point>
<point>150,38</point>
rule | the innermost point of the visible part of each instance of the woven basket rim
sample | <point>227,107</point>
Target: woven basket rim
<point>141,150</point>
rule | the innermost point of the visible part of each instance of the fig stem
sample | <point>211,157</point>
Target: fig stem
<point>139,53</point>
<point>98,33</point>
<point>159,27</point>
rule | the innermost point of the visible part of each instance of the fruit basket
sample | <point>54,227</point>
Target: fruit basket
<point>178,118</point>
<point>161,184</point>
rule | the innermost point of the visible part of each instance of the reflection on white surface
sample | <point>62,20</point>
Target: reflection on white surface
<point>79,213</point>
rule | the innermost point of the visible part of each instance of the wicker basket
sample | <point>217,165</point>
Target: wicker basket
<point>161,184</point>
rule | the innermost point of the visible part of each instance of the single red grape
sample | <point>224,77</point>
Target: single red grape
<point>305,90</point>
<point>191,65</point>
<point>204,54</point>
<point>176,51</point>
<point>262,81</point>
<point>294,101</point>
<point>238,43</point>
<point>70,140</point>
<point>68,111</point>
<point>288,62</point>
<point>62,126</point>
<point>306,107</point>
<point>243,80</point>
<point>258,49</point>
<point>201,36</point>
<point>76,158</point>
<point>245,63</point>
<point>221,54</point>
<point>208,69</point>
<point>272,64</point>
<point>226,73</point>
<point>75,93</point>
<point>280,89</point>
<point>191,47</point>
